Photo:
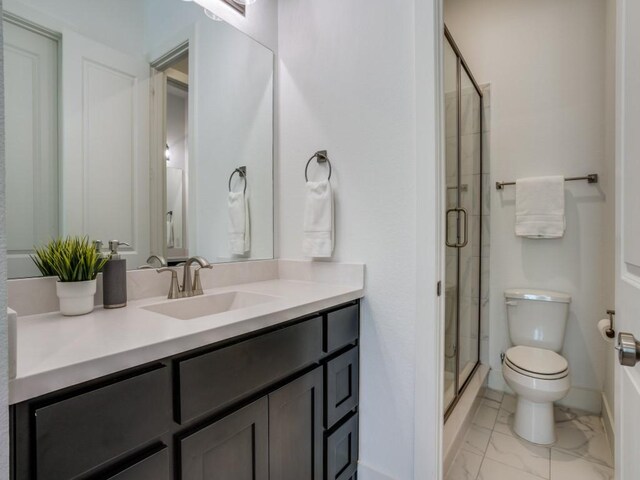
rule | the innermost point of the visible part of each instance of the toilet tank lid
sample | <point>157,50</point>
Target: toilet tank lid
<point>540,295</point>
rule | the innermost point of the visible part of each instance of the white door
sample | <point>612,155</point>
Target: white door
<point>31,114</point>
<point>627,411</point>
<point>105,141</point>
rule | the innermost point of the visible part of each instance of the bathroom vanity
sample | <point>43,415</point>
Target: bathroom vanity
<point>271,392</point>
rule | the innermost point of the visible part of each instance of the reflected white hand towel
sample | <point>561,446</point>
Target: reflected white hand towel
<point>318,220</point>
<point>239,223</point>
<point>540,207</point>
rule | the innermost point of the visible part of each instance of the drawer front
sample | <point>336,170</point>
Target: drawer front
<point>218,379</point>
<point>153,467</point>
<point>81,433</point>
<point>342,381</point>
<point>341,328</point>
<point>342,451</point>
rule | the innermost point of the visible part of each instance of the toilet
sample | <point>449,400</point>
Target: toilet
<point>532,367</point>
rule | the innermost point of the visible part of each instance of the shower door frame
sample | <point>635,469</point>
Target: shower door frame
<point>461,65</point>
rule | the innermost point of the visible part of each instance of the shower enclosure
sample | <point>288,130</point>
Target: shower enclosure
<point>463,235</point>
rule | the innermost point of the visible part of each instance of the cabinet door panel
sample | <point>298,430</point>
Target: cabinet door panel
<point>342,451</point>
<point>295,429</point>
<point>153,467</point>
<point>342,386</point>
<point>233,448</point>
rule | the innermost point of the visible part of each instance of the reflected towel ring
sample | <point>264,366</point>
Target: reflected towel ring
<point>242,171</point>
<point>322,157</point>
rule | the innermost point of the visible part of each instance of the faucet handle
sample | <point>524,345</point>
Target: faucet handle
<point>197,283</point>
<point>174,288</point>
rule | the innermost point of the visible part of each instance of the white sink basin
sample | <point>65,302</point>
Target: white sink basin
<point>203,305</point>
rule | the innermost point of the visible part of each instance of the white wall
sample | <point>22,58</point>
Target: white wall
<point>4,341</point>
<point>347,83</point>
<point>545,61</point>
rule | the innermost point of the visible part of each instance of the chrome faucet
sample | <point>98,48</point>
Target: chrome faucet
<point>189,287</point>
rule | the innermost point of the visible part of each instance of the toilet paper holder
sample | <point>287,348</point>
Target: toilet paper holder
<point>611,332</point>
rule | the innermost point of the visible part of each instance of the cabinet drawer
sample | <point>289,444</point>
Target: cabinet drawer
<point>152,467</point>
<point>342,451</point>
<point>341,328</point>
<point>83,432</point>
<point>216,380</point>
<point>342,381</point>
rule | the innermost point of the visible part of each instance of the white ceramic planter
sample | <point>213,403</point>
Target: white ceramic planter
<point>76,298</point>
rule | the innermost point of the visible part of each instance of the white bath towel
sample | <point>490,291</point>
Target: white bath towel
<point>239,223</point>
<point>318,220</point>
<point>540,207</point>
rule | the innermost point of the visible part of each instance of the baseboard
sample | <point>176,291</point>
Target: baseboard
<point>366,472</point>
<point>585,399</point>
<point>609,424</point>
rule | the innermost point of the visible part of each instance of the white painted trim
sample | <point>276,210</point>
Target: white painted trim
<point>429,134</point>
<point>365,472</point>
<point>609,423</point>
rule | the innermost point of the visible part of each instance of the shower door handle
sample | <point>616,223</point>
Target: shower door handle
<point>466,228</point>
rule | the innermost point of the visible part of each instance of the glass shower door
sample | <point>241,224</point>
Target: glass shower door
<point>451,174</point>
<point>463,173</point>
<point>469,254</point>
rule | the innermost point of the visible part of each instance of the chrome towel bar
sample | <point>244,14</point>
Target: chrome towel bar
<point>591,178</point>
<point>242,171</point>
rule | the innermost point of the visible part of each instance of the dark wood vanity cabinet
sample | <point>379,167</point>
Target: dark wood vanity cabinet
<point>277,404</point>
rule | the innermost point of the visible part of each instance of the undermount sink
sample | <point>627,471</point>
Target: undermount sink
<point>204,305</point>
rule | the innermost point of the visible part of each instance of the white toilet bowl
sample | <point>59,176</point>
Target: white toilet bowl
<point>539,377</point>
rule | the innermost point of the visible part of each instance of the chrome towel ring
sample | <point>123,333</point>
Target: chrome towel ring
<point>322,157</point>
<point>242,171</point>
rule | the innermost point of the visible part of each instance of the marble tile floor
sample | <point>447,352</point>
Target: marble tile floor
<point>491,451</point>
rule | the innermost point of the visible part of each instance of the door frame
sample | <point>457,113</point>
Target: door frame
<point>430,224</point>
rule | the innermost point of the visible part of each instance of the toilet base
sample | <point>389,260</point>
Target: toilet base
<point>535,421</point>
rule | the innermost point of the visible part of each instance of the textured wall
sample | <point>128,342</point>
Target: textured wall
<point>4,372</point>
<point>347,83</point>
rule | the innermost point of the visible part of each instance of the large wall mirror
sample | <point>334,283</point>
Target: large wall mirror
<point>143,121</point>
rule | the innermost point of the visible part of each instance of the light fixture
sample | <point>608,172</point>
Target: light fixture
<point>212,15</point>
<point>167,152</point>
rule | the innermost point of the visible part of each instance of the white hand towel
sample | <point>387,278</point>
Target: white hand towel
<point>318,220</point>
<point>239,223</point>
<point>540,207</point>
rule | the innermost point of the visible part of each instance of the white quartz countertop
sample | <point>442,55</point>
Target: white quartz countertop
<point>55,352</point>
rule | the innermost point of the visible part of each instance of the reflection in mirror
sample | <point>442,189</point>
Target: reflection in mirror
<point>125,119</point>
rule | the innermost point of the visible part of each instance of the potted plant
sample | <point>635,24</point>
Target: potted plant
<point>76,263</point>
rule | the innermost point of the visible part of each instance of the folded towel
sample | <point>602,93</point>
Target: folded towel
<point>540,207</point>
<point>239,223</point>
<point>318,220</point>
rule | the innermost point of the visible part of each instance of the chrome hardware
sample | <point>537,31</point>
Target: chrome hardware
<point>628,350</point>
<point>457,244</point>
<point>174,288</point>
<point>611,331</point>
<point>502,357</point>
<point>188,289</point>
<point>160,259</point>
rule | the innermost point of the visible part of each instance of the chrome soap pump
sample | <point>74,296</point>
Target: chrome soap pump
<point>114,278</point>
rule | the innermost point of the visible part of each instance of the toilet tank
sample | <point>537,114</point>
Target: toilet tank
<point>537,318</point>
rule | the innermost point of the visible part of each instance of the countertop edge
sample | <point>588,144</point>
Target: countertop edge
<point>29,387</point>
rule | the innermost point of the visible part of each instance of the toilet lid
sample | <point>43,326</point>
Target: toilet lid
<point>538,361</point>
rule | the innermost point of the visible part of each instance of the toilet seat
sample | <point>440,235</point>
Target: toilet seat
<point>536,362</point>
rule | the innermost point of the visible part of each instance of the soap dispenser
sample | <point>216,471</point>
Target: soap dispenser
<point>114,278</point>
